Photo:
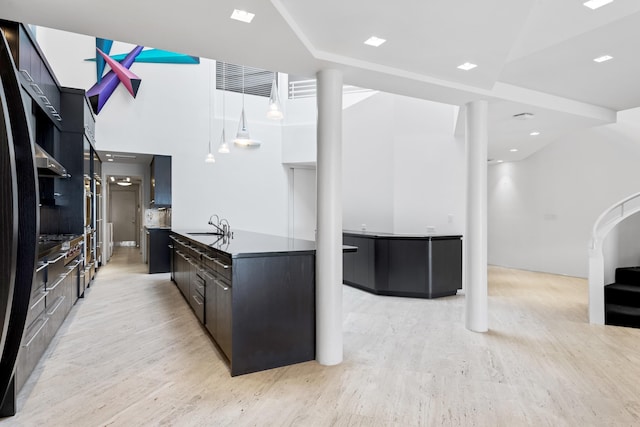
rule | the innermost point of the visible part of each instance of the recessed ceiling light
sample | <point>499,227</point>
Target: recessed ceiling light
<point>467,66</point>
<point>534,133</point>
<point>595,4</point>
<point>108,155</point>
<point>603,58</point>
<point>499,161</point>
<point>374,41</point>
<point>111,160</point>
<point>513,150</point>
<point>112,179</point>
<point>242,15</point>
<point>524,116</point>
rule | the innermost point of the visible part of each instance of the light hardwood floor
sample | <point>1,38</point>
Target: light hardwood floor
<point>133,354</point>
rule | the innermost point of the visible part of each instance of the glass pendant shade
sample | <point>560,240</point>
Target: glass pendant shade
<point>224,146</point>
<point>275,110</point>
<point>242,137</point>
<point>210,158</point>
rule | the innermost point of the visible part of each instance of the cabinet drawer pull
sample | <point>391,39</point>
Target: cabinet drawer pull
<point>170,246</point>
<point>208,257</point>
<point>36,88</point>
<point>195,297</point>
<point>26,74</point>
<point>221,264</point>
<point>60,280</point>
<point>33,337</point>
<point>208,276</point>
<point>222,285</point>
<point>44,294</point>
<point>58,304</point>
<point>58,259</point>
<point>42,267</point>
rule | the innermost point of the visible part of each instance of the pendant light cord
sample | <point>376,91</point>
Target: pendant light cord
<point>209,130</point>
<point>224,89</point>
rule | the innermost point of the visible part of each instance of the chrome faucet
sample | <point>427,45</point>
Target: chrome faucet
<point>216,224</point>
<point>226,228</point>
<point>222,229</point>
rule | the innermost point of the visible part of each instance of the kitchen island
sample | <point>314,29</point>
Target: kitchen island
<point>420,266</point>
<point>254,293</point>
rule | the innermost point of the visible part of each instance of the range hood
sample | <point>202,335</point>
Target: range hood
<point>47,165</point>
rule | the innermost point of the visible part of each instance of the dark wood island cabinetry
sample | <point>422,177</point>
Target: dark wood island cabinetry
<point>404,265</point>
<point>255,294</point>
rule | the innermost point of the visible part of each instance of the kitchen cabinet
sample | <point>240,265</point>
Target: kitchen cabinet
<point>403,265</point>
<point>197,291</point>
<point>223,316</point>
<point>35,73</point>
<point>160,191</point>
<point>157,247</point>
<point>358,267</point>
<point>259,295</point>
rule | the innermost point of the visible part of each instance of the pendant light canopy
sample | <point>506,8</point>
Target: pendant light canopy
<point>243,138</point>
<point>224,146</point>
<point>209,158</point>
<point>275,110</point>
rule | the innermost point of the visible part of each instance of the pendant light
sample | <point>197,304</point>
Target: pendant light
<point>243,138</point>
<point>224,146</point>
<point>210,158</point>
<point>275,110</point>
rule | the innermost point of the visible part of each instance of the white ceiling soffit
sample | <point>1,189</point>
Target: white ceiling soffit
<point>533,53</point>
<point>568,69</point>
<point>506,132</point>
<point>423,37</point>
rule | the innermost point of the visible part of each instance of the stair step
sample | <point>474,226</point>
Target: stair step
<point>622,294</point>
<point>628,275</point>
<point>621,315</point>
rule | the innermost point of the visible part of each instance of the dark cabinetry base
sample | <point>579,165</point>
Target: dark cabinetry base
<point>405,266</point>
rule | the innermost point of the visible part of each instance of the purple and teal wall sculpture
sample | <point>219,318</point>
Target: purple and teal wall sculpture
<point>120,71</point>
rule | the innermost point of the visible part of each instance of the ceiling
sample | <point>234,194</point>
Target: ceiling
<point>533,55</point>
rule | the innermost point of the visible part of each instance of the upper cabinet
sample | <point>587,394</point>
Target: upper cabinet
<point>35,73</point>
<point>160,192</point>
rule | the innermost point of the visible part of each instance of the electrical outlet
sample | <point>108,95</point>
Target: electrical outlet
<point>450,218</point>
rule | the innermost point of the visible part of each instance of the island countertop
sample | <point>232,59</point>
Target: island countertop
<point>245,244</point>
<point>383,235</point>
<point>249,244</point>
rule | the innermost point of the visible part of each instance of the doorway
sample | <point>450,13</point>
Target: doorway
<point>123,211</point>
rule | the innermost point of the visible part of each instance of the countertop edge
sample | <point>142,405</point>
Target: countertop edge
<point>375,235</point>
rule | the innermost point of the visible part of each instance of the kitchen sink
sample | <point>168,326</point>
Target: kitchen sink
<point>205,233</point>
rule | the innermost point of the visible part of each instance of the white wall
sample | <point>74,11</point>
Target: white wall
<point>402,167</point>
<point>542,209</point>
<point>429,169</point>
<point>171,116</point>
<point>367,167</point>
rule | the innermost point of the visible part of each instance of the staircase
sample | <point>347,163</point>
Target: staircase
<point>622,298</point>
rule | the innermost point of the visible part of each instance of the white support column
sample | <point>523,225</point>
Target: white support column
<point>329,213</point>
<point>475,239</point>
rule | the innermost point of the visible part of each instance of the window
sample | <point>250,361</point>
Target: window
<point>256,80</point>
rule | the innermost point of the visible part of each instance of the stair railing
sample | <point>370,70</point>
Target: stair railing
<point>604,224</point>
